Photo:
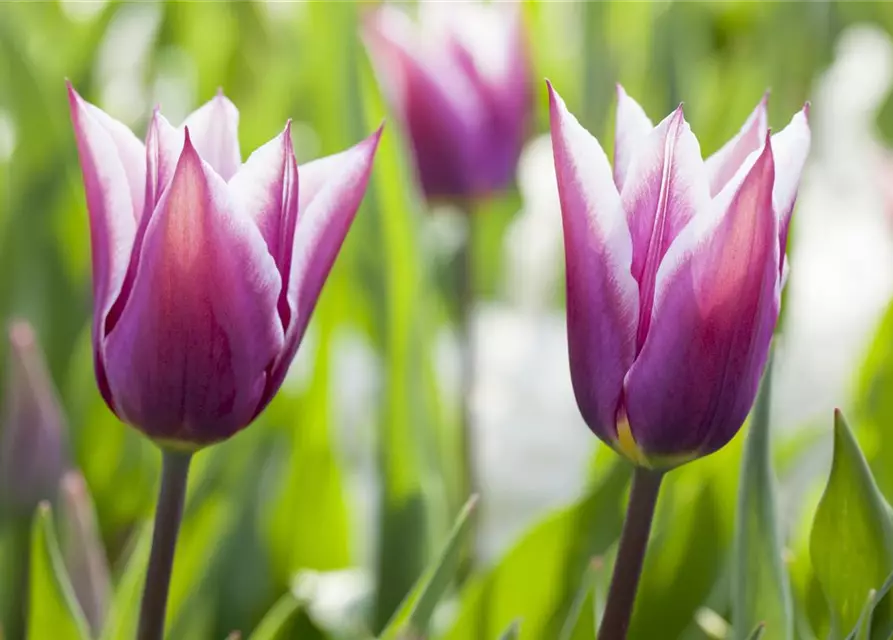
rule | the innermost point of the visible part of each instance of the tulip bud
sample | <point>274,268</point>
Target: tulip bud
<point>205,269</point>
<point>674,273</point>
<point>82,549</point>
<point>32,458</point>
<point>459,80</point>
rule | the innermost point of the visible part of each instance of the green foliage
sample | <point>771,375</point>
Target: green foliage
<point>851,544</point>
<point>760,589</point>
<point>282,497</point>
<point>53,611</point>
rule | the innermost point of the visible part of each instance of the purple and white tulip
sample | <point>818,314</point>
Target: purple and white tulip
<point>675,267</point>
<point>205,269</point>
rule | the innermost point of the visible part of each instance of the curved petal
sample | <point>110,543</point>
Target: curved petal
<point>665,188</point>
<point>110,174</point>
<point>717,302</point>
<point>266,189</point>
<point>633,126</point>
<point>602,297</point>
<point>164,143</point>
<point>791,147</point>
<point>214,128</point>
<point>331,190</point>
<point>725,163</point>
<point>187,360</point>
<point>439,106</point>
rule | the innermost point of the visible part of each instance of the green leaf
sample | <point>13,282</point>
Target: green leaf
<point>123,616</point>
<point>275,624</point>
<point>760,587</point>
<point>758,632</point>
<point>581,622</point>
<point>511,633</point>
<point>53,611</point>
<point>864,629</point>
<point>412,618</point>
<point>851,543</point>
<point>538,580</point>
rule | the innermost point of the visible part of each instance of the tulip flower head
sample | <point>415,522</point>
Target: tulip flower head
<point>205,269</point>
<point>459,80</point>
<point>32,434</point>
<point>674,273</point>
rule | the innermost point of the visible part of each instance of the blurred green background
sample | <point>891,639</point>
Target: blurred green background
<point>341,496</point>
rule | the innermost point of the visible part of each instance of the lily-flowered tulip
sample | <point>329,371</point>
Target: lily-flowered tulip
<point>674,273</point>
<point>205,269</point>
<point>459,79</point>
<point>32,434</point>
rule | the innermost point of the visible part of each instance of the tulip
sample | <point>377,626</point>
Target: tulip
<point>32,441</point>
<point>674,273</point>
<point>82,549</point>
<point>205,269</point>
<point>459,81</point>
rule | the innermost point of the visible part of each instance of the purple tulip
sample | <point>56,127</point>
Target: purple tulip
<point>459,81</point>
<point>674,272</point>
<point>32,435</point>
<point>205,269</point>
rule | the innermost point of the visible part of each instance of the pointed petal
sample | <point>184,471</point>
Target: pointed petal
<point>602,300</point>
<point>665,188</point>
<point>331,190</point>
<point>214,128</point>
<point>440,108</point>
<point>790,147</point>
<point>633,126</point>
<point>725,163</point>
<point>717,302</point>
<point>82,549</point>
<point>32,438</point>
<point>164,143</point>
<point>187,360</point>
<point>113,204</point>
<point>266,189</point>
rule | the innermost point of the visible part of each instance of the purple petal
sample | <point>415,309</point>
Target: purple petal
<point>187,360</point>
<point>115,191</point>
<point>331,190</point>
<point>725,163</point>
<point>665,188</point>
<point>266,189</point>
<point>633,127</point>
<point>790,147</point>
<point>164,143</point>
<point>214,128</point>
<point>717,302</point>
<point>602,296</point>
<point>439,106</point>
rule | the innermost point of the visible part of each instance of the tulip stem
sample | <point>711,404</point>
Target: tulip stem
<point>466,273</point>
<point>168,514</point>
<point>631,555</point>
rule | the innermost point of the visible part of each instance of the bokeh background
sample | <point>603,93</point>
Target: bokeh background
<point>343,490</point>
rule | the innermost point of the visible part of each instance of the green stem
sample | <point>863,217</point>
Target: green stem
<point>465,300</point>
<point>631,555</point>
<point>168,514</point>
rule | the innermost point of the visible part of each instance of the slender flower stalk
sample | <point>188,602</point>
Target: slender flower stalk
<point>168,514</point>
<point>465,277</point>
<point>631,554</point>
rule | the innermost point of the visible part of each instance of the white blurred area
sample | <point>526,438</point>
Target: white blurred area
<point>842,244</point>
